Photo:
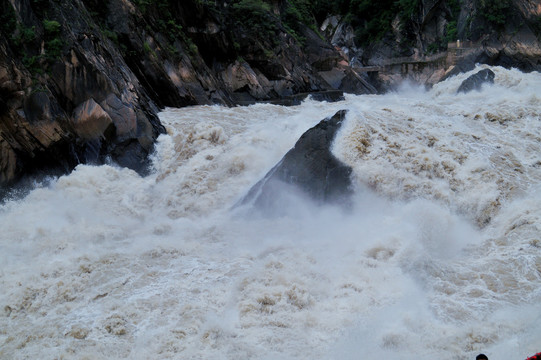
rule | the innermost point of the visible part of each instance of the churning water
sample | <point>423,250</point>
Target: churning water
<point>439,257</point>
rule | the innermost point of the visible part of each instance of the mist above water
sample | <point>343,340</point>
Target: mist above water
<point>439,256</point>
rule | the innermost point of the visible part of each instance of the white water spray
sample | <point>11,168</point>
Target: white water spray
<point>439,257</point>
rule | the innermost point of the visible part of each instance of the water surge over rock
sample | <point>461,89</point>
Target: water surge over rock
<point>438,255</point>
<point>309,167</point>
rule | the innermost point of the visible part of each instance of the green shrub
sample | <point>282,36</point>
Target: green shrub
<point>111,35</point>
<point>24,35</point>
<point>407,7</point>
<point>454,5</point>
<point>142,5</point>
<point>258,8</point>
<point>53,48</point>
<point>51,27</point>
<point>495,11</point>
<point>451,31</point>
<point>254,16</point>
<point>147,48</point>
<point>53,42</point>
<point>297,14</point>
<point>192,48</point>
<point>32,63</point>
<point>371,20</point>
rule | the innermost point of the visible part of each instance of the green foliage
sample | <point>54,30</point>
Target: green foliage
<point>451,31</point>
<point>433,48</point>
<point>53,48</point>
<point>324,8</point>
<point>407,7</point>
<point>495,11</point>
<point>298,13</point>
<point>166,24</point>
<point>255,17</point>
<point>32,63</point>
<point>23,36</point>
<point>258,8</point>
<point>51,27</point>
<point>173,51</point>
<point>371,20</point>
<point>111,35</point>
<point>436,46</point>
<point>8,20</point>
<point>53,42</point>
<point>192,48</point>
<point>174,30</point>
<point>454,5</point>
<point>292,20</point>
<point>147,48</point>
<point>142,4</point>
<point>20,38</point>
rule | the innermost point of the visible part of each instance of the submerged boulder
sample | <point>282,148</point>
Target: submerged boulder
<point>477,80</point>
<point>309,168</point>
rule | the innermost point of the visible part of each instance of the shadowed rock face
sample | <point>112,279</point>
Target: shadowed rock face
<point>309,168</point>
<point>477,80</point>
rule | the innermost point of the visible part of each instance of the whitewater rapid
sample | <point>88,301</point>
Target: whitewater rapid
<point>439,256</point>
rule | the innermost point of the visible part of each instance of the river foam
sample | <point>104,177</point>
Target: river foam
<point>439,256</point>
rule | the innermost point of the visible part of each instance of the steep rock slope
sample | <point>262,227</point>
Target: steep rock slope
<point>82,81</point>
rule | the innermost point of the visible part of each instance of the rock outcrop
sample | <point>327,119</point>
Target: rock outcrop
<point>309,167</point>
<point>82,81</point>
<point>476,81</point>
<point>67,95</point>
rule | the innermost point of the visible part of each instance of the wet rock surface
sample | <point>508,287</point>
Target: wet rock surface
<point>476,81</point>
<point>308,168</point>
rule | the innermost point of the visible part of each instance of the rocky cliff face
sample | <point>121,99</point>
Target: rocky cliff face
<point>67,95</point>
<point>82,81</point>
<point>495,32</point>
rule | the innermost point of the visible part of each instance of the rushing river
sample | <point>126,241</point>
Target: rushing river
<point>439,256</point>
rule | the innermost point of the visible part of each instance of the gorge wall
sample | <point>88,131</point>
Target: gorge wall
<point>82,81</point>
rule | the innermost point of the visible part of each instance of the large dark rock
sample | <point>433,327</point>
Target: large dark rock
<point>309,168</point>
<point>476,81</point>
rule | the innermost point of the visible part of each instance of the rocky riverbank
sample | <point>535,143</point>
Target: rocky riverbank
<point>82,81</point>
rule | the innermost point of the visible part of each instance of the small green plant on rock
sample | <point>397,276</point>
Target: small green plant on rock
<point>451,31</point>
<point>53,42</point>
